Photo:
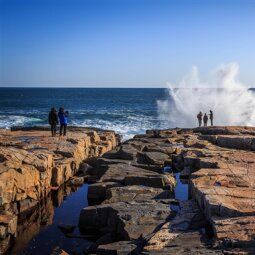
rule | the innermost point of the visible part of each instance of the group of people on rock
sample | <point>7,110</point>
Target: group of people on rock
<point>58,117</point>
<point>204,118</point>
<point>62,117</point>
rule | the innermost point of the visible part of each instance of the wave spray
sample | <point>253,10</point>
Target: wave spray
<point>232,102</point>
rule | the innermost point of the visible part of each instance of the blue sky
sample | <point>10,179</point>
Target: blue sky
<point>122,43</point>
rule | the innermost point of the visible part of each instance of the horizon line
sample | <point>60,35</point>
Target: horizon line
<point>81,87</point>
<point>66,87</point>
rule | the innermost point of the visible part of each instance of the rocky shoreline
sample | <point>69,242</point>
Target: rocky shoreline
<point>137,213</point>
<point>134,208</point>
<point>32,163</point>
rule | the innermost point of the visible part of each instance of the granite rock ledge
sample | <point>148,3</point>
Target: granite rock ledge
<point>32,163</point>
<point>133,198</point>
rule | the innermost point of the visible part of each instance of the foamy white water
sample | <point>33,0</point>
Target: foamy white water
<point>231,101</point>
<point>17,120</point>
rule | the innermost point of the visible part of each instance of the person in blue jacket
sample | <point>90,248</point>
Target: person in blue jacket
<point>63,116</point>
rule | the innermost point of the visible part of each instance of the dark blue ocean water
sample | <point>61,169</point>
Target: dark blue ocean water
<point>127,111</point>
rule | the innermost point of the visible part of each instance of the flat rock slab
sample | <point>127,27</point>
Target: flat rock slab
<point>237,229</point>
<point>135,193</point>
<point>188,217</point>
<point>127,175</point>
<point>245,142</point>
<point>225,130</point>
<point>236,234</point>
<point>119,248</point>
<point>184,243</point>
<point>227,191</point>
<point>126,220</point>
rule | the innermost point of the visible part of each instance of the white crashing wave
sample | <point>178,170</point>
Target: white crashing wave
<point>127,129</point>
<point>230,100</point>
<point>7,121</point>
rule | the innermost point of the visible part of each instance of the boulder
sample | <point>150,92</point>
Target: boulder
<point>8,224</point>
<point>152,158</point>
<point>125,152</point>
<point>95,138</point>
<point>97,191</point>
<point>76,181</point>
<point>27,204</point>
<point>84,169</point>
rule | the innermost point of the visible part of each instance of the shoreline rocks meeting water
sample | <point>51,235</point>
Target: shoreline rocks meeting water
<point>32,164</point>
<point>133,201</point>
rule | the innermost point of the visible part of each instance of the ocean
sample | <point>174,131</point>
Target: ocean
<point>128,111</point>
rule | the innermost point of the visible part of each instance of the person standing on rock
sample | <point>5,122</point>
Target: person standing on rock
<point>211,117</point>
<point>199,118</point>
<point>205,119</point>
<point>53,121</point>
<point>62,115</point>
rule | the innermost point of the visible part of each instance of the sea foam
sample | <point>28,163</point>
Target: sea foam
<point>7,121</point>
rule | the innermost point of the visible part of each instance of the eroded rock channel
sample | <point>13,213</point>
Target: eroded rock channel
<point>176,191</point>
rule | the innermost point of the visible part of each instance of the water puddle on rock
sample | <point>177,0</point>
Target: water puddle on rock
<point>39,233</point>
<point>181,192</point>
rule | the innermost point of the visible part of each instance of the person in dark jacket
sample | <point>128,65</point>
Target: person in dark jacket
<point>199,118</point>
<point>53,121</point>
<point>211,117</point>
<point>205,119</point>
<point>62,115</point>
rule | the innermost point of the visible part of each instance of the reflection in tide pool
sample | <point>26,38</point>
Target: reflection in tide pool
<point>38,232</point>
<point>181,190</point>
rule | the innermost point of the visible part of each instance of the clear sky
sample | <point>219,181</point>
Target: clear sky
<point>122,43</point>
